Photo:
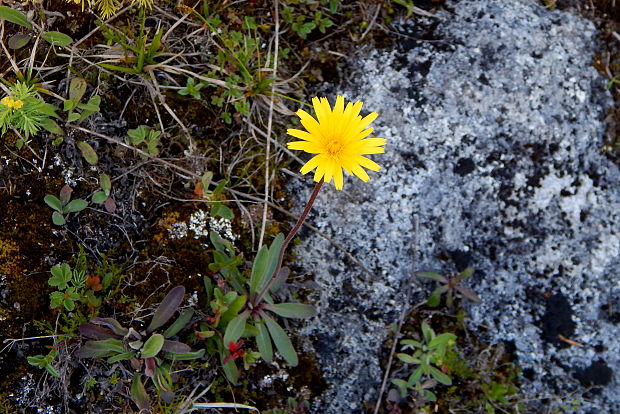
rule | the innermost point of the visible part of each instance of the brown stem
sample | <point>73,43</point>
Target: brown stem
<point>287,240</point>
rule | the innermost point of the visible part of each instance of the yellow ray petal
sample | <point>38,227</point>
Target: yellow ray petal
<point>366,163</point>
<point>310,147</point>
<point>297,133</point>
<point>311,164</point>
<point>338,178</point>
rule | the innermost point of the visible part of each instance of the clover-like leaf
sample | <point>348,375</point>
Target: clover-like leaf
<point>61,275</point>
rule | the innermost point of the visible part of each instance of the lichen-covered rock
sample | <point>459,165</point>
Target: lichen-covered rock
<point>494,134</point>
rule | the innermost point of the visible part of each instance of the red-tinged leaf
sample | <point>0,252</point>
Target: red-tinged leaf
<point>88,152</point>
<point>175,347</point>
<point>99,349</point>
<point>469,294</point>
<point>96,332</point>
<point>150,366</point>
<point>111,323</point>
<point>110,205</point>
<point>65,194</point>
<point>166,308</point>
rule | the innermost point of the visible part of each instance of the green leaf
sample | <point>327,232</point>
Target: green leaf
<point>14,16</point>
<point>440,376</point>
<point>442,340</point>
<point>220,210</point>
<point>51,126</point>
<point>233,309</point>
<point>292,310</point>
<point>121,357</point>
<point>466,273</point>
<point>281,340</point>
<point>88,152</point>
<point>152,346</point>
<point>185,356</point>
<point>259,268</point>
<point>77,88</point>
<point>235,328</point>
<point>105,183</point>
<point>52,371</point>
<point>53,202</point>
<point>435,298</point>
<point>56,299</point>
<point>75,205</point>
<point>402,386</point>
<point>180,323</point>
<point>73,116</point>
<point>100,197</point>
<point>69,304</point>
<point>58,219</point>
<point>231,371</point>
<point>411,343</point>
<point>415,376</point>
<point>19,40</point>
<point>263,341</point>
<point>57,38</point>
<point>61,275</point>
<point>138,393</point>
<point>274,255</point>
<point>408,359</point>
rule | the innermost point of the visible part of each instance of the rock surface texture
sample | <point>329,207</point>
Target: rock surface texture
<point>494,134</point>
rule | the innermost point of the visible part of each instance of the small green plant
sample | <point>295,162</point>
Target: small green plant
<point>45,362</point>
<point>103,196</point>
<point>63,205</point>
<point>76,110</point>
<point>304,27</point>
<point>449,286</point>
<point>144,137</point>
<point>24,110</point>
<point>192,88</point>
<point>157,351</point>
<point>72,286</point>
<point>137,52</point>
<point>428,354</point>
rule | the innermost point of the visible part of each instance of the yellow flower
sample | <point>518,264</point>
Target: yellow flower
<point>338,137</point>
<point>12,103</point>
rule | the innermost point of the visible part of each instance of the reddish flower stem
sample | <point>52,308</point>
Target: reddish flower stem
<point>287,240</point>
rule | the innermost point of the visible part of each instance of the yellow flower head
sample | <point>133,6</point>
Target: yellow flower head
<point>12,103</point>
<point>338,137</point>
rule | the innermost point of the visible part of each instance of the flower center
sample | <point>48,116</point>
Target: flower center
<point>333,148</point>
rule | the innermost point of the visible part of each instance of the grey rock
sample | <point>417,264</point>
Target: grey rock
<point>494,144</point>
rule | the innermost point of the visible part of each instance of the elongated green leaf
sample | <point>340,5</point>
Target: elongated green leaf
<point>435,298</point>
<point>259,268</point>
<point>77,88</point>
<point>263,341</point>
<point>111,323</point>
<point>274,255</point>
<point>408,359</point>
<point>57,38</point>
<point>440,376</point>
<point>220,210</point>
<point>180,323</point>
<point>152,346</point>
<point>75,205</point>
<point>415,376</point>
<point>167,307</point>
<point>427,332</point>
<point>231,371</point>
<point>53,202</point>
<point>233,309</point>
<point>51,126</point>
<point>88,152</point>
<point>292,310</point>
<point>14,16</point>
<point>442,339</point>
<point>138,393</point>
<point>118,68</point>
<point>281,340</point>
<point>121,357</point>
<point>402,386</point>
<point>185,356</point>
<point>235,328</point>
